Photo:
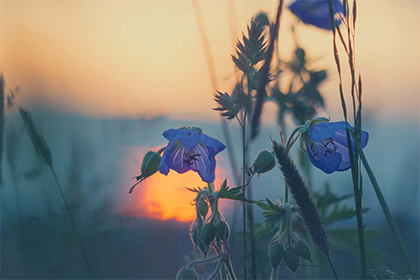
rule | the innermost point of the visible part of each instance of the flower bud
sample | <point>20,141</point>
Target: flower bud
<point>202,207</point>
<point>292,259</point>
<point>186,274</point>
<point>275,254</point>
<point>150,165</point>
<point>208,233</point>
<point>195,234</point>
<point>303,250</point>
<point>263,163</point>
<point>223,231</point>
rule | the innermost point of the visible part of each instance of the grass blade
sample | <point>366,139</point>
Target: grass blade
<point>391,222</point>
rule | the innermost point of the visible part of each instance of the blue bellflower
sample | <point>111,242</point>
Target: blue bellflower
<point>317,12</point>
<point>327,146</point>
<point>190,149</point>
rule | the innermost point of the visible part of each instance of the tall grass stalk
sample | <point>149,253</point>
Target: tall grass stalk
<point>11,147</point>
<point>307,208</point>
<point>353,157</point>
<point>261,91</point>
<point>2,119</point>
<point>44,152</point>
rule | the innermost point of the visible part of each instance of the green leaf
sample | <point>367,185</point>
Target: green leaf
<point>341,213</point>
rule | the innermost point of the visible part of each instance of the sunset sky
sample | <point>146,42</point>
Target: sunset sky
<point>145,58</point>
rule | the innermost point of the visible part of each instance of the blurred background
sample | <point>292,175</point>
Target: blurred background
<point>104,79</point>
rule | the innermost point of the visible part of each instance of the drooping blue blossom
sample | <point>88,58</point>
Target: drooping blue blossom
<point>317,12</point>
<point>190,149</point>
<point>327,146</point>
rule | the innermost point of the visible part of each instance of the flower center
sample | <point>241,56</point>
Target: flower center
<point>323,148</point>
<point>190,158</point>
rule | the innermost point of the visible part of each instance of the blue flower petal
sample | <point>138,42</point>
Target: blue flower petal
<point>190,149</point>
<point>341,137</point>
<point>321,131</point>
<point>175,157</point>
<point>345,157</point>
<point>316,12</point>
<point>163,167</point>
<point>328,162</point>
<point>204,165</point>
<point>188,137</point>
<point>171,134</point>
<point>214,146</point>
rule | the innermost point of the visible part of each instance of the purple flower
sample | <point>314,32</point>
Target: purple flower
<point>327,146</point>
<point>190,149</point>
<point>317,12</point>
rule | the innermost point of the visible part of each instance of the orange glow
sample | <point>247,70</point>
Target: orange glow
<point>122,58</point>
<point>166,197</point>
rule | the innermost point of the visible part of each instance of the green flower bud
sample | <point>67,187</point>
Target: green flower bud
<point>195,234</point>
<point>275,254</point>
<point>223,231</point>
<point>263,163</point>
<point>208,233</point>
<point>292,259</point>
<point>150,165</point>
<point>304,251</point>
<point>186,274</point>
<point>202,207</point>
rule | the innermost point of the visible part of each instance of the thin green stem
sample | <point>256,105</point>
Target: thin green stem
<point>274,273</point>
<point>243,190</point>
<point>207,260</point>
<point>230,269</point>
<point>216,270</point>
<point>332,267</point>
<point>73,223</point>
<point>210,186</point>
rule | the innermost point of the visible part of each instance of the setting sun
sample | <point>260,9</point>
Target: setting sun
<point>166,197</point>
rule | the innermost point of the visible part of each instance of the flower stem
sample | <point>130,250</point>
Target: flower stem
<point>230,269</point>
<point>274,273</point>
<point>243,189</point>
<point>207,260</point>
<point>216,270</point>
